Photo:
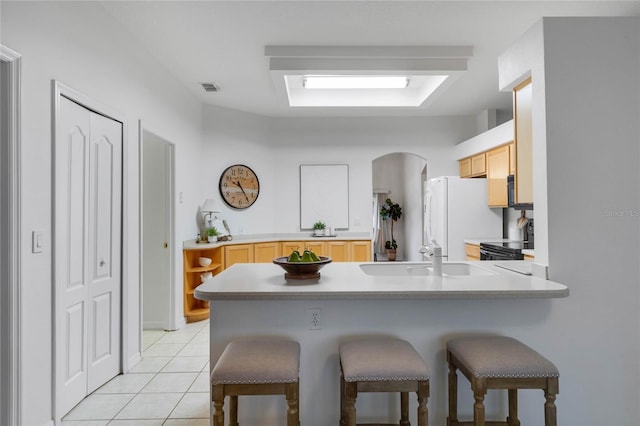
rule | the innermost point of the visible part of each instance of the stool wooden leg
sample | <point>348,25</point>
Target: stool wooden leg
<point>404,409</point>
<point>452,419</point>
<point>233,410</point>
<point>423,411</point>
<point>550,392</point>
<point>293,415</point>
<point>512,420</point>
<point>479,387</point>
<point>217,395</point>
<point>350,395</point>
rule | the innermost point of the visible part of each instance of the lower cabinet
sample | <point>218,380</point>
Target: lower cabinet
<point>241,253</point>
<point>360,251</point>
<point>338,251</point>
<point>472,251</point>
<point>265,252</point>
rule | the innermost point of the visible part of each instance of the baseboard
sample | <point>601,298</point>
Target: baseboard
<point>153,325</point>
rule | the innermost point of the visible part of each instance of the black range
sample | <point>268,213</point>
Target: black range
<point>510,250</point>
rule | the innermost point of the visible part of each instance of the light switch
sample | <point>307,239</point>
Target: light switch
<point>37,241</point>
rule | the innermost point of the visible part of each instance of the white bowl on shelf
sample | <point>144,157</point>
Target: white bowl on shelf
<point>204,261</point>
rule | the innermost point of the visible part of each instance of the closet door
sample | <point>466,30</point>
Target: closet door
<point>87,256</point>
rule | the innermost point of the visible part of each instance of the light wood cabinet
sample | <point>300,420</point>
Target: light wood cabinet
<point>241,253</point>
<point>338,251</point>
<point>522,111</point>
<point>266,252</point>
<point>479,165</point>
<point>497,172</point>
<point>194,309</point>
<point>318,247</point>
<point>286,247</point>
<point>474,166</point>
<point>472,251</point>
<point>360,251</point>
<point>465,167</point>
<point>512,158</point>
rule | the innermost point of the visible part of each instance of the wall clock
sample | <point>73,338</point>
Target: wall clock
<point>239,186</point>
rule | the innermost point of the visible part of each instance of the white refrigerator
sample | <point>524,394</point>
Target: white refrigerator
<point>456,209</point>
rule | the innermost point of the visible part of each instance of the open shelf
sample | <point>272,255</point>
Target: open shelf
<point>194,309</point>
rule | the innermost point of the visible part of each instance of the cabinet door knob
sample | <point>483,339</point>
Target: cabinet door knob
<point>165,245</point>
<point>102,262</point>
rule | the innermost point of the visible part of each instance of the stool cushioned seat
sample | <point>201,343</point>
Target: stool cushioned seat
<point>382,365</point>
<point>381,359</point>
<point>260,366</point>
<point>498,356</point>
<point>258,361</point>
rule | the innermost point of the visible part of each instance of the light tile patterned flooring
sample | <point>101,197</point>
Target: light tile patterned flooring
<point>169,387</point>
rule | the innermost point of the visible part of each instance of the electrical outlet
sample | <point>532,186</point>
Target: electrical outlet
<point>314,319</point>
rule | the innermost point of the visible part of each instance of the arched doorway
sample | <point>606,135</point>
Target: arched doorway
<point>399,176</point>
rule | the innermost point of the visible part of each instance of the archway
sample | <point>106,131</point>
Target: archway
<point>399,176</point>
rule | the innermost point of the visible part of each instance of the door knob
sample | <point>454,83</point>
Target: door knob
<point>165,245</point>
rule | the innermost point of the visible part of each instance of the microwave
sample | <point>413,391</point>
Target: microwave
<point>511,196</point>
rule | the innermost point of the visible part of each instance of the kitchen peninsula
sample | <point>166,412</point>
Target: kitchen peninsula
<point>355,299</point>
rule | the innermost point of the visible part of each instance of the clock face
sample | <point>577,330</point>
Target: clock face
<point>239,186</point>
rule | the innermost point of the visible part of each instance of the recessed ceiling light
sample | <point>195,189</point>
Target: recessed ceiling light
<point>355,82</point>
<point>365,76</point>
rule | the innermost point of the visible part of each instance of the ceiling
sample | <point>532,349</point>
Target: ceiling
<point>224,42</point>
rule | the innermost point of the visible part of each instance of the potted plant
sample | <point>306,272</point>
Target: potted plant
<point>212,234</point>
<point>318,228</point>
<point>392,211</point>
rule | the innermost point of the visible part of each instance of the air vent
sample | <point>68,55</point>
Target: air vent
<point>210,87</point>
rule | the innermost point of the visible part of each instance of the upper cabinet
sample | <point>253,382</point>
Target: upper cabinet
<point>474,166</point>
<point>498,161</point>
<point>522,109</point>
<point>495,164</point>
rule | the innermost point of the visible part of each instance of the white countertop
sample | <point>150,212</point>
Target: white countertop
<point>264,238</point>
<point>346,280</point>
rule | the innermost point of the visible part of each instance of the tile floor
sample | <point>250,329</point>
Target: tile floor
<point>169,387</point>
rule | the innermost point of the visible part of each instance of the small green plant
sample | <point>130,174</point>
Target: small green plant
<point>393,211</point>
<point>319,225</point>
<point>391,245</point>
<point>212,232</point>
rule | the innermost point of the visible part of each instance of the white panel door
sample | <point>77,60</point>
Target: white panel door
<point>104,250</point>
<point>87,255</point>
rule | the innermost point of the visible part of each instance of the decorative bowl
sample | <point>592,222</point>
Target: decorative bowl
<point>204,261</point>
<point>301,270</point>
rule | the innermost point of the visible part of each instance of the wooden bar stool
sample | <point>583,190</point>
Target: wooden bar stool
<point>256,367</point>
<point>498,362</point>
<point>382,365</point>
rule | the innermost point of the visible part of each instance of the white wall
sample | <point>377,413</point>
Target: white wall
<point>66,41</point>
<point>586,139</point>
<point>275,149</point>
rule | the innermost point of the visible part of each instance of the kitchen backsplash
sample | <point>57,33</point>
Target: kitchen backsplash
<point>510,223</point>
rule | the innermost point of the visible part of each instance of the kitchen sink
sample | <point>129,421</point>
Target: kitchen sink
<point>385,269</point>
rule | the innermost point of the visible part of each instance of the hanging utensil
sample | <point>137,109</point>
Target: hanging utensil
<point>523,220</point>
